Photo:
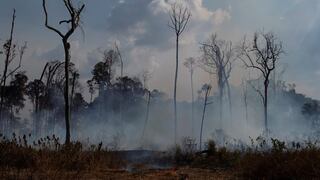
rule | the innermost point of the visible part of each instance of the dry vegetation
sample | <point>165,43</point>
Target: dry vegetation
<point>262,160</point>
<point>47,158</point>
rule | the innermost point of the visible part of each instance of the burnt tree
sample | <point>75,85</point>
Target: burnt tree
<point>190,64</point>
<point>206,88</point>
<point>262,54</point>
<point>179,18</point>
<point>74,22</point>
<point>10,52</point>
<point>217,58</point>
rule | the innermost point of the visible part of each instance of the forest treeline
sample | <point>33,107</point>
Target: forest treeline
<point>58,102</point>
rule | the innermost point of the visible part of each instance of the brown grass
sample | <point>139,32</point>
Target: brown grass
<point>48,156</point>
<point>298,164</point>
<point>274,160</point>
<point>48,159</point>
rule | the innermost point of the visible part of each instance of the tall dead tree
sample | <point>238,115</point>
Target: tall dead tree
<point>262,54</point>
<point>179,18</point>
<point>217,58</point>
<point>207,89</point>
<point>146,75</point>
<point>190,63</point>
<point>10,52</point>
<point>38,92</point>
<point>117,50</point>
<point>74,22</point>
<point>75,77</point>
<point>147,115</point>
<point>245,100</point>
<point>120,58</point>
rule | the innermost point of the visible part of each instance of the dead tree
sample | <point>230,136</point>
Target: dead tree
<point>75,77</point>
<point>245,100</point>
<point>179,18</point>
<point>10,52</point>
<point>262,54</point>
<point>47,79</point>
<point>207,89</point>
<point>74,22</point>
<point>217,58</point>
<point>121,75</point>
<point>120,58</point>
<point>147,115</point>
<point>190,63</point>
<point>146,75</point>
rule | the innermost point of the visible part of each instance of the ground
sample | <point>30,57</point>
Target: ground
<point>179,173</point>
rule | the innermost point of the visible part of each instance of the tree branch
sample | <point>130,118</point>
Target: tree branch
<point>46,20</point>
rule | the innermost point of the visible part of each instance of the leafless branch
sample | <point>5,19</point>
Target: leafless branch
<point>179,18</point>
<point>46,20</point>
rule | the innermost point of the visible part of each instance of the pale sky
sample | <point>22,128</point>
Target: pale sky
<point>146,42</point>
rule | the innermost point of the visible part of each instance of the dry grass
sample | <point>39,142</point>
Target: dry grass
<point>293,163</point>
<point>48,156</point>
<point>48,159</point>
<point>265,160</point>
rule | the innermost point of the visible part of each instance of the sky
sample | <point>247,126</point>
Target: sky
<point>140,27</point>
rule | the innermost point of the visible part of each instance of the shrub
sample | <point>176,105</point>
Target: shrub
<point>184,154</point>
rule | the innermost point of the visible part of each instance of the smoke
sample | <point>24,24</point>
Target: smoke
<point>147,44</point>
<point>117,118</point>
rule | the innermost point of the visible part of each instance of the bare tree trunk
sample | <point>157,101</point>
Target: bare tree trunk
<point>101,101</point>
<point>120,104</point>
<point>220,104</point>
<point>230,101</point>
<point>266,84</point>
<point>73,87</point>
<point>121,76</point>
<point>264,59</point>
<point>121,73</point>
<point>66,46</point>
<point>175,90</point>
<point>245,100</point>
<point>74,120</point>
<point>36,123</point>
<point>74,22</point>
<point>192,105</point>
<point>274,83</point>
<point>147,117</point>
<point>179,17</point>
<point>121,60</point>
<point>226,82</point>
<point>220,109</point>
<point>2,100</point>
<point>4,76</point>
<point>203,115</point>
<point>246,109</point>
